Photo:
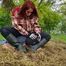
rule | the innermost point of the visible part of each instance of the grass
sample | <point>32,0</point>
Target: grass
<point>60,37</point>
<point>53,54</point>
<point>1,37</point>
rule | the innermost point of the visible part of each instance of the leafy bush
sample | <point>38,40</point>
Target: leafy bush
<point>48,18</point>
<point>4,18</point>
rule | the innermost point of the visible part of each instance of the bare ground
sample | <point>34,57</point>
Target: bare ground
<point>53,54</point>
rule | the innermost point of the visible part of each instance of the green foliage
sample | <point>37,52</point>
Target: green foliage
<point>20,2</point>
<point>4,18</point>
<point>63,11</point>
<point>61,37</point>
<point>1,37</point>
<point>63,28</point>
<point>8,4</point>
<point>48,18</point>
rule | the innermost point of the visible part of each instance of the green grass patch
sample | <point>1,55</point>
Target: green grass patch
<point>1,37</point>
<point>60,37</point>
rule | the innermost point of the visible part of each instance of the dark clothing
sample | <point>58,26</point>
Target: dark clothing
<point>6,31</point>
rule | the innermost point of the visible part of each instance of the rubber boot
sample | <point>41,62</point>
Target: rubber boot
<point>35,47</point>
<point>14,42</point>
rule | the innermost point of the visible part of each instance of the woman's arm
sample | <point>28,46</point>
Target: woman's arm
<point>15,18</point>
<point>18,27</point>
<point>37,27</point>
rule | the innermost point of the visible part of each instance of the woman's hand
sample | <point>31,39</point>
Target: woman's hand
<point>39,37</point>
<point>38,30</point>
<point>25,33</point>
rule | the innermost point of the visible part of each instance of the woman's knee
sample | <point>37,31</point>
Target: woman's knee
<point>46,35</point>
<point>4,31</point>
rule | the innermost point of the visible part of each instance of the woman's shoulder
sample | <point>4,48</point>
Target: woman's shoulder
<point>14,10</point>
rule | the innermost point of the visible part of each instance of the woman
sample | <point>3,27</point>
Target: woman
<point>25,30</point>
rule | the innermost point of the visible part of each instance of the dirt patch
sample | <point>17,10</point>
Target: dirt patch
<point>53,54</point>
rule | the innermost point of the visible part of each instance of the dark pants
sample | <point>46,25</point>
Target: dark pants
<point>7,30</point>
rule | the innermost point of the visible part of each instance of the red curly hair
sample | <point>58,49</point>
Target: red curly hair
<point>28,4</point>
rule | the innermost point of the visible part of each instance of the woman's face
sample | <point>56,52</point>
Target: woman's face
<point>29,11</point>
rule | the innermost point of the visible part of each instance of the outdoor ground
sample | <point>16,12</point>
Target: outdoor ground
<point>53,54</point>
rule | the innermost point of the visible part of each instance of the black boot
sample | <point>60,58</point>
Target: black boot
<point>14,42</point>
<point>35,47</point>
